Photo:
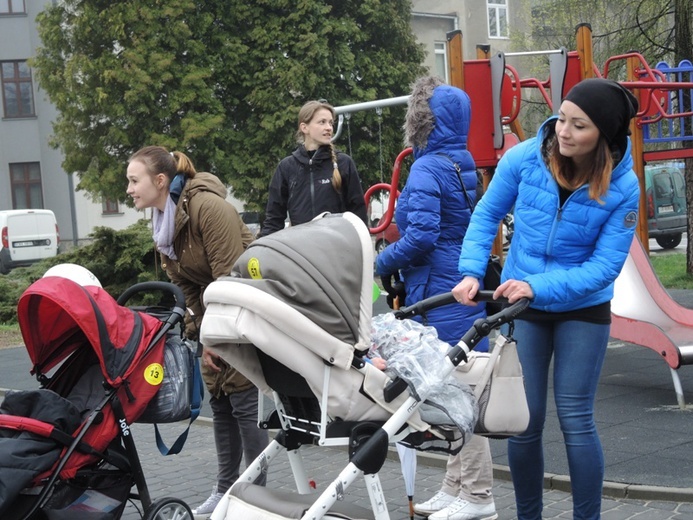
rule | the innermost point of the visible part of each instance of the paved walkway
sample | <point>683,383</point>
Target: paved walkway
<point>190,476</point>
<point>647,443</point>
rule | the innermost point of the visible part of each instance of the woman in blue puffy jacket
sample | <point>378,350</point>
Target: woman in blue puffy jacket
<point>576,201</point>
<point>432,215</point>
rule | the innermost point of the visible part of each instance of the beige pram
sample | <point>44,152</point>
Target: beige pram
<point>295,318</point>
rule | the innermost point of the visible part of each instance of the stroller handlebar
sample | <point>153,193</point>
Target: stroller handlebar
<point>481,328</point>
<point>179,307</point>
<point>433,302</point>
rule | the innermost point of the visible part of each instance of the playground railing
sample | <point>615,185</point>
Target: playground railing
<point>672,127</point>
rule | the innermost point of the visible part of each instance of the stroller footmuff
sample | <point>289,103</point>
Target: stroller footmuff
<point>295,318</point>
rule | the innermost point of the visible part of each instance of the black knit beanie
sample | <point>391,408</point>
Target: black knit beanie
<point>609,105</point>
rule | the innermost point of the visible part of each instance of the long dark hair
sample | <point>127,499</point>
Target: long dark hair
<point>598,176</point>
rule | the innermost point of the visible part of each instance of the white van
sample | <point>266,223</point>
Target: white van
<point>28,235</point>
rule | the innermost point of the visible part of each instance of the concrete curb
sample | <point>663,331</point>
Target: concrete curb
<point>552,482</point>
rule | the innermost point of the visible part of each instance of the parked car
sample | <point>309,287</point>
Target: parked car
<point>27,236</point>
<point>387,237</point>
<point>666,203</point>
<point>252,219</point>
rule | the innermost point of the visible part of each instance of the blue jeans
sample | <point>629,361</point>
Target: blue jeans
<point>578,349</point>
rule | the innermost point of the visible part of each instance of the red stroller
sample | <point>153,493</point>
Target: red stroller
<point>66,449</point>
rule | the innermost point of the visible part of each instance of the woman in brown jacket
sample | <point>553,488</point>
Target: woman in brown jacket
<point>200,235</point>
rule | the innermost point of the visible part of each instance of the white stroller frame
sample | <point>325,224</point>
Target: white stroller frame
<point>265,312</point>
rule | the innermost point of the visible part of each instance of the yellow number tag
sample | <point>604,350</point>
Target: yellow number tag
<point>254,269</point>
<point>154,374</point>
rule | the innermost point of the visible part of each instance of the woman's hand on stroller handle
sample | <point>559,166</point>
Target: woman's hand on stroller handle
<point>481,328</point>
<point>394,287</point>
<point>440,300</point>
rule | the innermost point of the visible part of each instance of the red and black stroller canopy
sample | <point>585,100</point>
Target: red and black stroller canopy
<point>57,316</point>
<point>100,365</point>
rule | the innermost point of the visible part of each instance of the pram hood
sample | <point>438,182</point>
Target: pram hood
<point>314,281</point>
<point>333,289</point>
<point>57,316</point>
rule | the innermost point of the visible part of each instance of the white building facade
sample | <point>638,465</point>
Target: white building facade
<point>482,22</point>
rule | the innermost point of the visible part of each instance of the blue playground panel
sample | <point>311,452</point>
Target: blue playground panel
<point>668,130</point>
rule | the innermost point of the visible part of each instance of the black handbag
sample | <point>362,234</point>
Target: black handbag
<point>492,279</point>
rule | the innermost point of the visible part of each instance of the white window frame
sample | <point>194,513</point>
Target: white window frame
<point>494,8</point>
<point>440,48</point>
<point>12,7</point>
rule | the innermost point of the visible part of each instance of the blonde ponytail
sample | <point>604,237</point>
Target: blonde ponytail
<point>336,174</point>
<point>183,164</point>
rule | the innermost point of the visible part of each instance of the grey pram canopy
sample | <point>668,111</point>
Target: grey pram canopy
<point>322,270</point>
<point>303,296</point>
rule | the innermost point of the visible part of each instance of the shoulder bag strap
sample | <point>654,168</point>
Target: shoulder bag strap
<point>485,376</point>
<point>197,391</point>
<point>458,170</point>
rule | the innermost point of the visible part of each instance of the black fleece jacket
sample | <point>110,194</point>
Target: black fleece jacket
<point>302,186</point>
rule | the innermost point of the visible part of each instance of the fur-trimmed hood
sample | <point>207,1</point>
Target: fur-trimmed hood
<point>437,117</point>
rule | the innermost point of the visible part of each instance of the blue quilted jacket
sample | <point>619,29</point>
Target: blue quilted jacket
<point>432,216</point>
<point>570,256</point>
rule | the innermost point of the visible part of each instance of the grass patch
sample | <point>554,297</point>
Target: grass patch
<point>10,335</point>
<point>671,270</point>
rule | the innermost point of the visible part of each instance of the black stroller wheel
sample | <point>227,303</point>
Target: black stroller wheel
<point>168,509</point>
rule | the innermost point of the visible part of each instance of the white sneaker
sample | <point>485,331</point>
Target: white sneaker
<point>203,511</point>
<point>462,510</point>
<point>439,501</point>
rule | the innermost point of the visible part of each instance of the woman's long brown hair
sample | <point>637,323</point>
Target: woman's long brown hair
<point>598,176</point>
<point>305,115</point>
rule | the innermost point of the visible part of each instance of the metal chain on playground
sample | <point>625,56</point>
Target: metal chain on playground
<point>347,116</point>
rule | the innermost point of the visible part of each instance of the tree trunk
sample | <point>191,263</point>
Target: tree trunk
<point>683,50</point>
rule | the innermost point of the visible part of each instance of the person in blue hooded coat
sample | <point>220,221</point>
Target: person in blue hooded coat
<point>433,212</point>
<point>432,215</point>
<point>576,204</point>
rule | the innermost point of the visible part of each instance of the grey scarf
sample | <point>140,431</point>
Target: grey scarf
<point>164,226</point>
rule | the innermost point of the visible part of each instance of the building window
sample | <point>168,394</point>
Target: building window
<point>12,7</point>
<point>497,18</point>
<point>110,207</point>
<point>441,60</point>
<point>17,92</point>
<point>25,179</point>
